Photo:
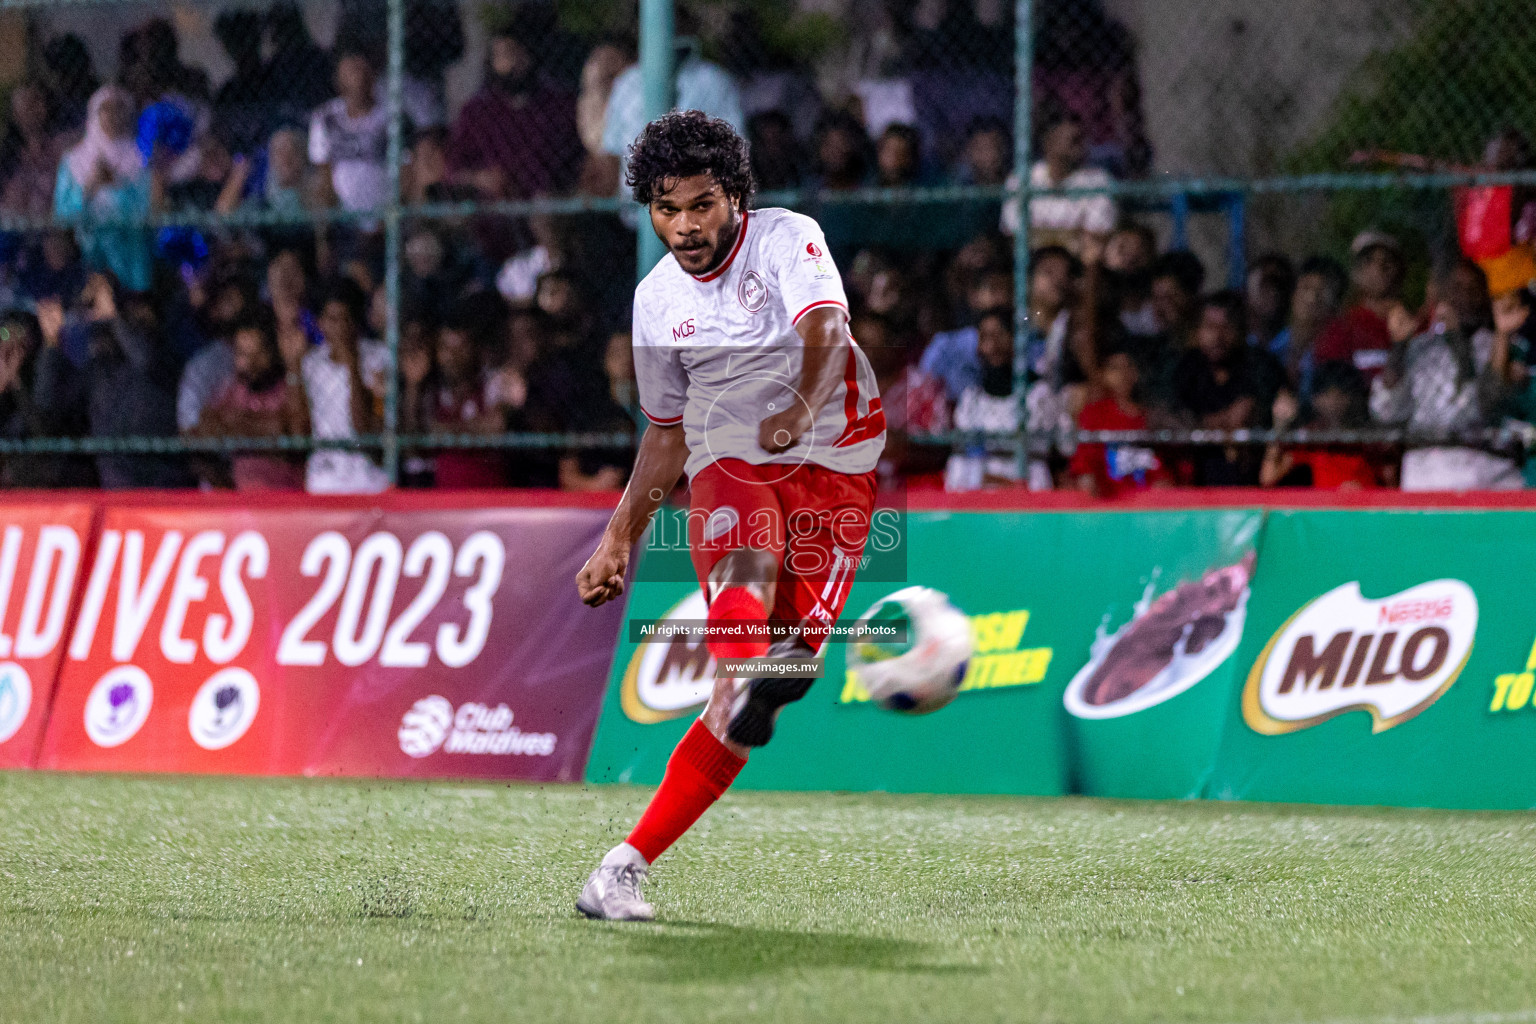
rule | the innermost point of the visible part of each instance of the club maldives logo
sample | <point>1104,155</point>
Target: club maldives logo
<point>431,724</point>
<point>1392,656</point>
<point>15,698</point>
<point>669,677</point>
<point>1170,644</point>
<point>752,293</point>
<point>224,708</point>
<point>118,705</point>
<point>425,726</point>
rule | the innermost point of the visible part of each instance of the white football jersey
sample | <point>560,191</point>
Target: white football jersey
<point>719,353</point>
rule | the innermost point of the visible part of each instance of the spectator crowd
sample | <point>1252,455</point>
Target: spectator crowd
<point>269,327</point>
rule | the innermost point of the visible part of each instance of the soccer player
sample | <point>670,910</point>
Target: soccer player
<point>755,389</point>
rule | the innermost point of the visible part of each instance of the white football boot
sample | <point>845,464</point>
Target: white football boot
<point>612,892</point>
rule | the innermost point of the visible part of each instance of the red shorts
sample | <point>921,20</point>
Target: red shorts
<point>814,519</point>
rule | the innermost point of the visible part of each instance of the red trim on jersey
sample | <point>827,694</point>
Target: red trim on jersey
<point>859,428</point>
<point>736,248</point>
<point>819,302</point>
<point>865,428</point>
<point>674,421</point>
<point>851,397</point>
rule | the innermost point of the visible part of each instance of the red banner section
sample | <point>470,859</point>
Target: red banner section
<point>42,549</point>
<point>324,640</point>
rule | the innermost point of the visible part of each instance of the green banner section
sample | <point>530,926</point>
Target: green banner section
<point>1103,663</point>
<point>1348,657</point>
<point>1388,659</point>
<point>1164,598</point>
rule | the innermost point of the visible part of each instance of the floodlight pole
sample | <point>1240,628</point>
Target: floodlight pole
<point>656,75</point>
<point>1023,126</point>
<point>396,34</point>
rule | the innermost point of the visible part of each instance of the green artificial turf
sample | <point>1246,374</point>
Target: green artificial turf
<point>215,899</point>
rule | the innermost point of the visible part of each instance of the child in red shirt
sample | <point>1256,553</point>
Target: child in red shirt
<point>1113,471</point>
<point>1338,403</point>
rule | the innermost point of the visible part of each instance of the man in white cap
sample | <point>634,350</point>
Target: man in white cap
<point>1363,334</point>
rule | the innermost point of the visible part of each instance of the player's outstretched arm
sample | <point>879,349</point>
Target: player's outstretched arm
<point>825,334</point>
<point>659,462</point>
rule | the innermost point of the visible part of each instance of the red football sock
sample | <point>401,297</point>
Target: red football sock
<point>699,771</point>
<point>738,606</point>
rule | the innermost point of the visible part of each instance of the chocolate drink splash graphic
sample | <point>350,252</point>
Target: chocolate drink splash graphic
<point>1178,624</point>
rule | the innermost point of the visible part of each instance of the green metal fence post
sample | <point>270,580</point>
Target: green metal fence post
<point>656,73</point>
<point>1023,125</point>
<point>396,18</point>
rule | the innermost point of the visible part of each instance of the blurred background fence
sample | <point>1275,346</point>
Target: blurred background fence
<point>344,242</point>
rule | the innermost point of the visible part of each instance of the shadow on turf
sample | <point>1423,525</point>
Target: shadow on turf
<point>690,951</point>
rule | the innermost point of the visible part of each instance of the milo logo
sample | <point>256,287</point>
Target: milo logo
<point>1392,656</point>
<point>668,677</point>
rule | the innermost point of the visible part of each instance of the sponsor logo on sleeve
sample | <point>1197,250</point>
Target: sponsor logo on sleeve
<point>1392,656</point>
<point>816,257</point>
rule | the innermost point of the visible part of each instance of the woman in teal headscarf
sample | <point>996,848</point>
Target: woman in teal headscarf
<point>105,178</point>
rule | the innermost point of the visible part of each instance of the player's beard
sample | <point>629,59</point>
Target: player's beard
<point>721,249</point>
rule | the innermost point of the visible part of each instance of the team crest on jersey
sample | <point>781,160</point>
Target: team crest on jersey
<point>752,292</point>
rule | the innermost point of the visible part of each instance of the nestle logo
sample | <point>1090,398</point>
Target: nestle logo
<point>1416,611</point>
<point>683,330</point>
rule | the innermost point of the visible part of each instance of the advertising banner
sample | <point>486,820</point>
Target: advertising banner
<point>1363,656</point>
<point>1162,598</point>
<point>1388,659</point>
<point>1001,735</point>
<point>1133,610</point>
<point>42,549</point>
<point>363,641</point>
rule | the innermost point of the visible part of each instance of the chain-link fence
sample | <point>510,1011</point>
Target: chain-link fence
<point>335,243</point>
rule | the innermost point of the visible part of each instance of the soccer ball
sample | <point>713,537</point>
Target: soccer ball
<point>921,673</point>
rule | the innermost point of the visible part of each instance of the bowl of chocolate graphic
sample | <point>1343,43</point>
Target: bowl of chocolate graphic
<point>1172,642</point>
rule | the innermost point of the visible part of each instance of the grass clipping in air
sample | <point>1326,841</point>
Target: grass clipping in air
<point>208,899</point>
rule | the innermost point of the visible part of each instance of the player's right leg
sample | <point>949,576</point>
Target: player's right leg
<point>825,539</point>
<point>755,706</point>
<point>741,587</point>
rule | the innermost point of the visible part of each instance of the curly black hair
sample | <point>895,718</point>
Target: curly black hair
<point>688,142</point>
